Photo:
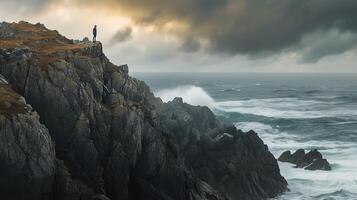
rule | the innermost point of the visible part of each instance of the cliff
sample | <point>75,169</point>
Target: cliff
<point>97,133</point>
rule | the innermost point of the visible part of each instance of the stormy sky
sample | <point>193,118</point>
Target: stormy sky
<point>207,35</point>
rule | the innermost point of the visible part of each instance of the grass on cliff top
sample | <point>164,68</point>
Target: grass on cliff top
<point>9,101</point>
<point>39,39</point>
<point>42,41</point>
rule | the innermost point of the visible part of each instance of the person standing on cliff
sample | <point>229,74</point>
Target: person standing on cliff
<point>95,33</point>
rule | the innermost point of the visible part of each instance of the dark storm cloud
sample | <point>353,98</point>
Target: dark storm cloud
<point>252,27</point>
<point>122,35</point>
<point>247,26</point>
<point>190,45</point>
<point>332,43</point>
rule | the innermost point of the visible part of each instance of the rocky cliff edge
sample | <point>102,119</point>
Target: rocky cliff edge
<point>75,126</point>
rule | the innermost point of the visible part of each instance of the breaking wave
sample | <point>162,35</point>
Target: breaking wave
<point>338,184</point>
<point>190,94</point>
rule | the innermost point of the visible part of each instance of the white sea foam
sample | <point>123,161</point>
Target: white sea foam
<point>289,108</point>
<point>190,94</point>
<point>340,183</point>
<point>344,123</point>
<point>280,141</point>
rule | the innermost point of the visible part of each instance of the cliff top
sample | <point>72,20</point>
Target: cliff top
<point>36,37</point>
<point>48,45</point>
<point>23,39</point>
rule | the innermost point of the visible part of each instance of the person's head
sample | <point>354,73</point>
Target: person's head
<point>95,26</point>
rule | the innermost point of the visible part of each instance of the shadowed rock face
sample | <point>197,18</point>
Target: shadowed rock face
<point>236,163</point>
<point>27,155</point>
<point>112,138</point>
<point>310,161</point>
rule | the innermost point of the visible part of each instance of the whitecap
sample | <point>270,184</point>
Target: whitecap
<point>340,154</point>
<point>190,94</point>
<point>288,108</point>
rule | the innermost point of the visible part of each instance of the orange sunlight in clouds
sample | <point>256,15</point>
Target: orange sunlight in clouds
<point>74,21</point>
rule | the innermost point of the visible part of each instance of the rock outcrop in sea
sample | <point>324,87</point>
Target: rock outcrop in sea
<point>312,160</point>
<point>75,126</point>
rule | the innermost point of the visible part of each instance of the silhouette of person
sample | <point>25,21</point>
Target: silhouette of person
<point>95,33</point>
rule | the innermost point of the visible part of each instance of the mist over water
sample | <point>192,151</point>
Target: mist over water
<point>288,111</point>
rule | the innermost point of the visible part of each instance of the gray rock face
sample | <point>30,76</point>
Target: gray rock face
<point>7,31</point>
<point>65,187</point>
<point>313,160</point>
<point>285,156</point>
<point>236,163</point>
<point>112,138</point>
<point>27,154</point>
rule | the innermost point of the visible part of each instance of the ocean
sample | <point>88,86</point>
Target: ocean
<point>288,111</point>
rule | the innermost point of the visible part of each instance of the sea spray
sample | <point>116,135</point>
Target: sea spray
<point>190,94</point>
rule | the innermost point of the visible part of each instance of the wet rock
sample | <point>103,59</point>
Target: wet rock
<point>297,157</point>
<point>319,164</point>
<point>285,156</point>
<point>313,160</point>
<point>309,158</point>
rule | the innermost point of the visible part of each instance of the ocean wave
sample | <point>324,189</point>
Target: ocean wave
<point>190,94</point>
<point>346,99</point>
<point>285,90</point>
<point>230,90</point>
<point>338,184</point>
<point>312,91</point>
<point>279,141</point>
<point>344,123</point>
<point>288,108</point>
<point>339,194</point>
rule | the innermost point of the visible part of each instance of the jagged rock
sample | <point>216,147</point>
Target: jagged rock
<point>319,164</point>
<point>310,158</point>
<point>66,188</point>
<point>285,156</point>
<point>114,98</point>
<point>27,153</point>
<point>298,156</point>
<point>311,161</point>
<point>237,163</point>
<point>117,140</point>
<point>124,68</point>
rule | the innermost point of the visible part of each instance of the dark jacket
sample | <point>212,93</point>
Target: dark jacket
<point>95,31</point>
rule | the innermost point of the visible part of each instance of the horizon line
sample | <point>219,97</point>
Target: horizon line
<point>250,72</point>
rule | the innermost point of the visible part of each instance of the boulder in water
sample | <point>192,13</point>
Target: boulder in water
<point>319,164</point>
<point>298,156</point>
<point>313,160</point>
<point>285,156</point>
